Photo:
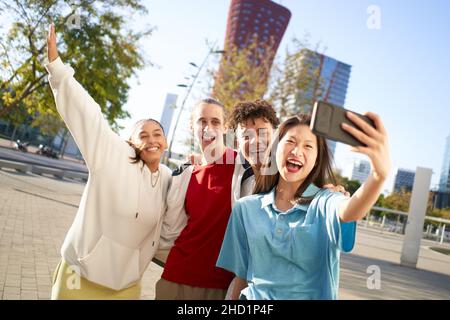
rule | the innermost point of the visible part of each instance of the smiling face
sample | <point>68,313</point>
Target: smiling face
<point>254,137</point>
<point>208,124</point>
<point>149,138</point>
<point>296,154</point>
<point>297,158</point>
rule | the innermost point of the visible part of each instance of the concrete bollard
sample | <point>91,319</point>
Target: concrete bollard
<point>416,217</point>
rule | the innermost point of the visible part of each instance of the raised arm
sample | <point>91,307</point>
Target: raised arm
<point>377,150</point>
<point>82,115</point>
<point>52,50</point>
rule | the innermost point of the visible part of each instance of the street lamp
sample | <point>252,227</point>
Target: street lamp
<point>189,88</point>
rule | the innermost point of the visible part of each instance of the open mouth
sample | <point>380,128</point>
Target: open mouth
<point>293,166</point>
<point>208,138</point>
<point>152,149</point>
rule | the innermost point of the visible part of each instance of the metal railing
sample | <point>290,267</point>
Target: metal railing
<point>398,225</point>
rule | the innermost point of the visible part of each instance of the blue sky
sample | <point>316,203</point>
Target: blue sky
<point>400,71</point>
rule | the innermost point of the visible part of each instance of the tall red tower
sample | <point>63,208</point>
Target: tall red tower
<point>262,20</point>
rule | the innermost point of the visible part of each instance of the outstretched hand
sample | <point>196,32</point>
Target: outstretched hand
<point>376,141</point>
<point>52,51</point>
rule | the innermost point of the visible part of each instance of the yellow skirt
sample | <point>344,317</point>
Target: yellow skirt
<point>67,285</point>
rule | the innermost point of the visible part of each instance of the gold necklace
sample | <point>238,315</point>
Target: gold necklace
<point>151,175</point>
<point>280,198</point>
<point>293,202</point>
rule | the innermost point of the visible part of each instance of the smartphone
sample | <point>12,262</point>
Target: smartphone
<point>326,121</point>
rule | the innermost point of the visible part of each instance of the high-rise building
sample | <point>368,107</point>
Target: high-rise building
<point>442,196</point>
<point>404,179</point>
<point>328,81</point>
<point>441,200</point>
<point>361,170</point>
<point>264,20</point>
<point>444,181</point>
<point>169,108</point>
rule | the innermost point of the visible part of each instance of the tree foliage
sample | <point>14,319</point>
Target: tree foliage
<point>243,73</point>
<point>251,72</point>
<point>440,213</point>
<point>349,185</point>
<point>296,83</point>
<point>94,37</point>
<point>400,201</point>
<point>397,201</point>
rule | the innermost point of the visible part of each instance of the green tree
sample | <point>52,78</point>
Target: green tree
<point>297,83</point>
<point>380,201</point>
<point>251,72</point>
<point>439,213</point>
<point>350,185</point>
<point>95,39</point>
<point>398,201</point>
<point>242,74</point>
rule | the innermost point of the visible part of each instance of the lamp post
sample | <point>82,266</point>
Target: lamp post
<point>189,89</point>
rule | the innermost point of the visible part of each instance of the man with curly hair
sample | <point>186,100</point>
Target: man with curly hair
<point>254,123</point>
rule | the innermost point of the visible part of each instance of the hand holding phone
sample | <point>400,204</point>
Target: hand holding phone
<point>326,121</point>
<point>333,122</point>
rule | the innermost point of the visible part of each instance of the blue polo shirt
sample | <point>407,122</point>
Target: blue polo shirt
<point>287,255</point>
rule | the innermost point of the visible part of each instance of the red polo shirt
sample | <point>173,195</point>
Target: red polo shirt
<point>192,259</point>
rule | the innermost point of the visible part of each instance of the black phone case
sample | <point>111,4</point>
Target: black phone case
<point>326,122</point>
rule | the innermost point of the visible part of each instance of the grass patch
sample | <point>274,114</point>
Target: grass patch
<point>441,250</point>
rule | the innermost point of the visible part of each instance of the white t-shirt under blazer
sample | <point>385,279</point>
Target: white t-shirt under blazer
<point>117,226</point>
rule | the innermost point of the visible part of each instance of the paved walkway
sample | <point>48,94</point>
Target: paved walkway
<point>431,279</point>
<point>36,212</point>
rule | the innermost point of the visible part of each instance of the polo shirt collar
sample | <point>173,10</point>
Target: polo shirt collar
<point>269,198</point>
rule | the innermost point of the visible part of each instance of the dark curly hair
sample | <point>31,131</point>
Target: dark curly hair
<point>244,111</point>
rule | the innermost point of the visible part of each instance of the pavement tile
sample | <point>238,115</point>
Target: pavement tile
<point>11,290</point>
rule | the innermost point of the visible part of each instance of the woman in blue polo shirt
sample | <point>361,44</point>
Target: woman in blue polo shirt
<point>284,242</point>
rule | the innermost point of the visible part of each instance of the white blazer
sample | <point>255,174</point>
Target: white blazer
<point>117,227</point>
